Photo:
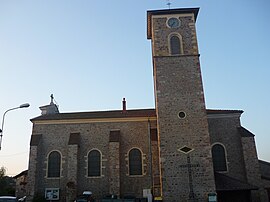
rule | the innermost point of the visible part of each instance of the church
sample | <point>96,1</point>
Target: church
<point>177,151</point>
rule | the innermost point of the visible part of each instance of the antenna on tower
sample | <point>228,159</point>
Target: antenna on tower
<point>169,4</point>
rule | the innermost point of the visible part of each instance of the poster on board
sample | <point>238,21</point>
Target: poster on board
<point>52,194</point>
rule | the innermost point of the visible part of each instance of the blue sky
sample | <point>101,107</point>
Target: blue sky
<point>91,54</point>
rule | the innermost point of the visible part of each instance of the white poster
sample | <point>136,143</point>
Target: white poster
<point>52,194</point>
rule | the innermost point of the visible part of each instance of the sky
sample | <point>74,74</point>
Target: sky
<point>91,54</point>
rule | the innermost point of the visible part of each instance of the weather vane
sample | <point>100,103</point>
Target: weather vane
<point>169,4</point>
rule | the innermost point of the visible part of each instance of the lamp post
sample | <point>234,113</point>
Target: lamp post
<point>2,128</point>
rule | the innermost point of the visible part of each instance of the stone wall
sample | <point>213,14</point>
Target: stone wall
<point>224,130</point>
<point>186,30</point>
<point>253,169</point>
<point>134,134</point>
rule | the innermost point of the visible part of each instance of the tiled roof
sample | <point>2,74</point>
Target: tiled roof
<point>99,114</point>
<point>244,132</point>
<point>226,183</point>
<point>265,169</point>
<point>222,111</point>
<point>116,114</point>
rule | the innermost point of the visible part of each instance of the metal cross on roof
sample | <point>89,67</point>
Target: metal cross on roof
<point>169,4</point>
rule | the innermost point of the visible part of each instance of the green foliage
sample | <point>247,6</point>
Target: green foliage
<point>2,172</point>
<point>7,184</point>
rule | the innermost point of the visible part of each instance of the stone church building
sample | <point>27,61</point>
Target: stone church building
<point>178,151</point>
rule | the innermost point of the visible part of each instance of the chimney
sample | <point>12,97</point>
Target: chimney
<point>124,105</point>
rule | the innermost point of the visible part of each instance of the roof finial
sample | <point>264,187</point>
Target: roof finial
<point>51,108</point>
<point>52,98</point>
<point>169,4</point>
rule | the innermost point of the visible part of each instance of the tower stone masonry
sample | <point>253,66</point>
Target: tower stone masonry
<point>185,152</point>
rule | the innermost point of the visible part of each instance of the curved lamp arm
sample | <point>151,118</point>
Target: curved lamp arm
<point>3,120</point>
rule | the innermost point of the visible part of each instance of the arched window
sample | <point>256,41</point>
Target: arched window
<point>175,45</point>
<point>54,164</point>
<point>135,162</point>
<point>94,163</point>
<point>219,158</point>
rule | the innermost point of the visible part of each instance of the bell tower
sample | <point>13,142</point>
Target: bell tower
<point>185,153</point>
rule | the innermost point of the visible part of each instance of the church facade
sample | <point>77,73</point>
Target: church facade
<point>179,151</point>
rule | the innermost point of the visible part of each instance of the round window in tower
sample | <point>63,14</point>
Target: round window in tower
<point>182,115</point>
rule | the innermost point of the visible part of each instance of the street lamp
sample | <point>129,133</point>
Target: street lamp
<point>2,128</point>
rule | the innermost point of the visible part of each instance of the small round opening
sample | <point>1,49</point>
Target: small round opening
<point>182,115</point>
